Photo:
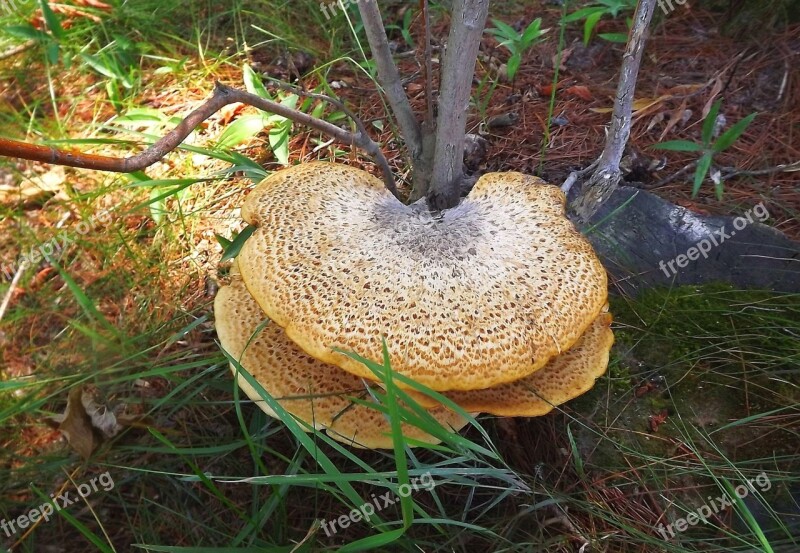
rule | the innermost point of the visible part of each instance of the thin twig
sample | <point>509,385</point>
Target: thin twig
<point>575,175</point>
<point>620,129</point>
<point>727,173</point>
<point>223,95</point>
<point>11,52</point>
<point>389,77</point>
<point>604,180</point>
<point>674,176</point>
<point>730,172</point>
<point>13,286</point>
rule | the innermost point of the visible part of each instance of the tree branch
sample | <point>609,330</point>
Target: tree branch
<point>458,69</point>
<point>380,159</point>
<point>222,96</point>
<point>607,175</point>
<point>389,77</point>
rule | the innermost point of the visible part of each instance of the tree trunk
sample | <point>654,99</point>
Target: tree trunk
<point>461,54</point>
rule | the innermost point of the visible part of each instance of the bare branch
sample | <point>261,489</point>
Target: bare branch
<point>389,77</point>
<point>380,159</point>
<point>620,129</point>
<point>458,69</point>
<point>607,175</point>
<point>222,96</point>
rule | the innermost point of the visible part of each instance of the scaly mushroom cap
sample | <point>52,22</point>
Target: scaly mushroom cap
<point>308,389</point>
<point>479,295</point>
<point>563,378</point>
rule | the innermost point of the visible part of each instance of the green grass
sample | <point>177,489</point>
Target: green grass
<point>128,312</point>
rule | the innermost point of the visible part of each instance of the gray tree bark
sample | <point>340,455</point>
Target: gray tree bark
<point>461,54</point>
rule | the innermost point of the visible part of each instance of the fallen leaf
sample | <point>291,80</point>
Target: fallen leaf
<point>87,422</point>
<point>547,89</point>
<point>229,112</point>
<point>654,421</point>
<point>565,54</point>
<point>580,91</point>
<point>506,120</point>
<point>644,389</point>
<point>712,97</point>
<point>76,424</point>
<point>35,189</point>
<point>640,106</point>
<point>675,118</point>
<point>102,418</point>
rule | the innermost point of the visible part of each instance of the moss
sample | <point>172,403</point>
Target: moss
<point>707,357</point>
<point>713,325</point>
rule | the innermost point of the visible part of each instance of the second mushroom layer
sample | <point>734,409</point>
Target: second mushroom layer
<point>320,394</point>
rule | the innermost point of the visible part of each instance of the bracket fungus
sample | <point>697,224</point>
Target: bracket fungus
<point>563,378</point>
<point>312,391</point>
<point>498,303</point>
<point>481,294</point>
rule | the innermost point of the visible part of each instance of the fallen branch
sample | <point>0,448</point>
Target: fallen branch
<point>730,172</point>
<point>223,95</point>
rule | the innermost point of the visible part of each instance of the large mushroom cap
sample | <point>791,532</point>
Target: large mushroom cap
<point>478,295</point>
<point>308,389</point>
<point>563,378</point>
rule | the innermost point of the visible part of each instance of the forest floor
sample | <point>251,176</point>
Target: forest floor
<point>702,393</point>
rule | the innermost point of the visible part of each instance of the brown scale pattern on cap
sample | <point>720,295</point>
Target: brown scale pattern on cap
<point>482,294</point>
<point>563,378</point>
<point>310,390</point>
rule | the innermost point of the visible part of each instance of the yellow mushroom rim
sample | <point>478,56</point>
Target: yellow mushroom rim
<point>315,392</point>
<point>565,377</point>
<point>479,295</point>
